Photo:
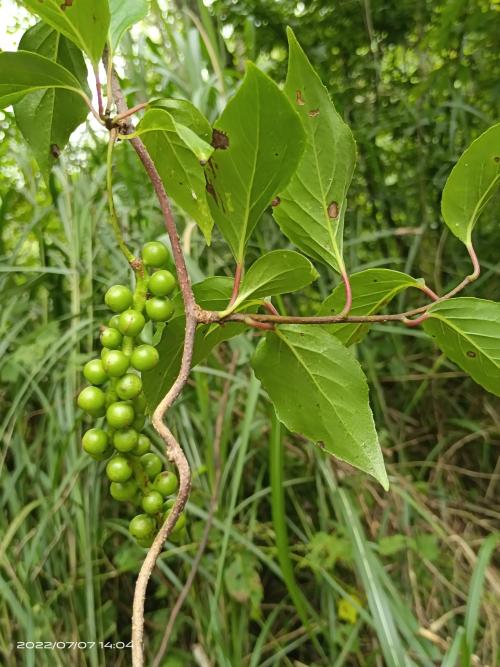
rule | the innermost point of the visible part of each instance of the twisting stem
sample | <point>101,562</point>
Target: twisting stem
<point>113,218</point>
<point>348,294</point>
<point>130,112</point>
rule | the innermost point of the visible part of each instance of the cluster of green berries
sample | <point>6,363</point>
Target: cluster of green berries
<point>115,396</point>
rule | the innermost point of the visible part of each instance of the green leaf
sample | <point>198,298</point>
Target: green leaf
<point>471,184</point>
<point>22,72</point>
<point>312,208</point>
<point>185,113</point>
<point>179,168</point>
<point>372,289</point>
<point>243,582</point>
<point>213,294</point>
<point>124,13</point>
<point>468,331</point>
<point>47,118</point>
<point>320,391</point>
<point>276,272</point>
<point>84,22</point>
<point>261,140</point>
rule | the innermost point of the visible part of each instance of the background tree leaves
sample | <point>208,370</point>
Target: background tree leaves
<point>468,332</point>
<point>320,391</point>
<point>47,118</point>
<point>472,183</point>
<point>261,143</point>
<point>313,205</point>
<point>124,13</point>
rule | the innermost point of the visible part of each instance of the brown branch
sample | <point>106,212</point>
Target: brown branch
<point>219,423</point>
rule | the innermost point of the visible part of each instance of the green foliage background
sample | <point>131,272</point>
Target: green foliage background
<point>417,82</point>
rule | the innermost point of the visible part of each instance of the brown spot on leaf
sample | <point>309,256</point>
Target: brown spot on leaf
<point>313,113</point>
<point>471,354</point>
<point>66,4</point>
<point>276,202</point>
<point>299,98</point>
<point>333,210</point>
<point>496,158</point>
<point>220,140</point>
<point>55,151</point>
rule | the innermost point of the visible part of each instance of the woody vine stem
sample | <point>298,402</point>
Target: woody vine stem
<point>195,315</point>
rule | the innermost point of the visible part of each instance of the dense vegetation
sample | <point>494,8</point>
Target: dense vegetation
<point>308,561</point>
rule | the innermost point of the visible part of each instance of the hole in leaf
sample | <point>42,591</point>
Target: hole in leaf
<point>471,354</point>
<point>299,98</point>
<point>313,113</point>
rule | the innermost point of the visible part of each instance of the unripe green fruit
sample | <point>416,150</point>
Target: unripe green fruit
<point>166,483</point>
<point>111,396</point>
<point>139,422</point>
<point>123,491</point>
<point>94,372</point>
<point>102,457</point>
<point>152,464</point>
<point>152,502</point>
<point>142,526</point>
<point>111,338</point>
<point>119,469</point>
<point>115,363</point>
<point>113,321</point>
<point>92,400</point>
<point>155,254</point>
<point>95,441</point>
<point>144,357</point>
<point>118,298</point>
<point>143,445</point>
<point>180,523</point>
<point>131,323</point>
<point>161,283</point>
<point>140,404</point>
<point>128,386</point>
<point>168,504</point>
<point>125,440</point>
<point>159,310</point>
<point>146,542</point>
<point>120,415</point>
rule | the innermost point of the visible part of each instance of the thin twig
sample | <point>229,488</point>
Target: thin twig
<point>238,275</point>
<point>214,499</point>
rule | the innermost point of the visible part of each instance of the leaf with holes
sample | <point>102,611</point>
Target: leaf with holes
<point>212,293</point>
<point>22,72</point>
<point>178,166</point>
<point>467,330</point>
<point>372,289</point>
<point>472,183</point>
<point>258,140</point>
<point>47,117</point>
<point>124,13</point>
<point>84,22</point>
<point>320,391</point>
<point>276,272</point>
<point>312,208</point>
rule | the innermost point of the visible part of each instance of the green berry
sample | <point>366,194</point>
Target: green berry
<point>152,464</point>
<point>166,483</point>
<point>131,323</point>
<point>94,372</point>
<point>128,386</point>
<point>146,542</point>
<point>152,502</point>
<point>115,363</point>
<point>161,283</point>
<point>144,357</point>
<point>155,254</point>
<point>143,445</point>
<point>179,524</point>
<point>113,321</point>
<point>111,338</point>
<point>142,526</point>
<point>102,457</point>
<point>159,310</point>
<point>120,414</point>
<point>168,504</point>
<point>123,491</point>
<point>92,400</point>
<point>95,441</point>
<point>111,396</point>
<point>139,422</point>
<point>125,440</point>
<point>140,404</point>
<point>118,298</point>
<point>119,469</point>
